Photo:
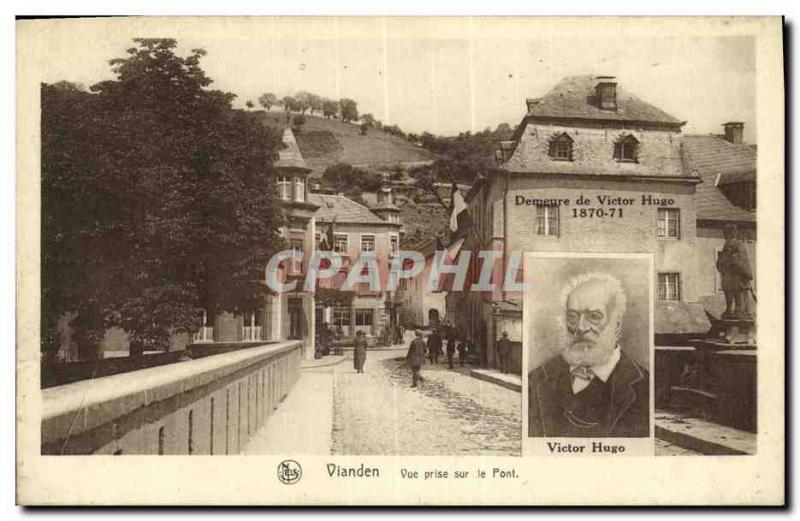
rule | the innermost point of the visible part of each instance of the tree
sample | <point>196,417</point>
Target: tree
<point>304,100</point>
<point>368,118</point>
<point>267,100</point>
<point>298,122</point>
<point>316,103</point>
<point>349,110</point>
<point>290,104</point>
<point>329,108</point>
<point>153,201</point>
<point>249,104</point>
<point>351,180</point>
<point>367,121</point>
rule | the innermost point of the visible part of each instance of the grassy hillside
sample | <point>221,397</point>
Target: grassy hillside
<point>324,142</point>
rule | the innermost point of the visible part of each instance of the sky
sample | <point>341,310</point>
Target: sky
<point>441,75</point>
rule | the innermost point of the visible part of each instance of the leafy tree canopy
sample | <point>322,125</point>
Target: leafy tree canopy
<point>157,200</point>
<point>267,100</point>
<point>348,109</point>
<point>351,180</point>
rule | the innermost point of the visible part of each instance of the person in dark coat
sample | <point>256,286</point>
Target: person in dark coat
<point>360,352</point>
<point>504,352</point>
<point>416,357</point>
<point>592,388</point>
<point>451,346</point>
<point>463,349</point>
<point>434,346</point>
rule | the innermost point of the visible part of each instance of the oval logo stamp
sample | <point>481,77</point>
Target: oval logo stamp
<point>289,472</point>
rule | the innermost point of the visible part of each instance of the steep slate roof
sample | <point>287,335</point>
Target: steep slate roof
<point>290,156</point>
<point>573,97</point>
<point>572,102</point>
<point>344,210</point>
<point>713,157</point>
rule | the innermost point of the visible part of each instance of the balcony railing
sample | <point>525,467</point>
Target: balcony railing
<point>251,333</point>
<point>204,334</point>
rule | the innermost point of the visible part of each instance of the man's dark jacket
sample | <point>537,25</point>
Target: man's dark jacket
<point>628,413</point>
<point>416,352</point>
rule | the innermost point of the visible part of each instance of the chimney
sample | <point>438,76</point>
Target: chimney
<point>733,132</point>
<point>531,102</point>
<point>606,92</point>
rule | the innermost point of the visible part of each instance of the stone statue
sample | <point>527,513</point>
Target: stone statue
<point>737,275</point>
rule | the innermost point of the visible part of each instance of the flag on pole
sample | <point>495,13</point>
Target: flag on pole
<point>326,237</point>
<point>460,219</point>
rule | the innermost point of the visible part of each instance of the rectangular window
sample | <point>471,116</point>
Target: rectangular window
<point>285,188</point>
<point>668,223</point>
<point>546,220</point>
<point>669,286</point>
<point>300,189</point>
<point>394,243</point>
<point>296,263</point>
<point>364,317</point>
<point>562,151</point>
<point>367,243</point>
<point>341,317</point>
<point>340,243</point>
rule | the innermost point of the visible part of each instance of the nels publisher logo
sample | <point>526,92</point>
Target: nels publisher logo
<point>289,472</point>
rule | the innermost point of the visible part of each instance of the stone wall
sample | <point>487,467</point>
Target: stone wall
<point>208,406</point>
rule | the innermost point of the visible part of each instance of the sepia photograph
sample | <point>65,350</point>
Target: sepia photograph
<point>589,346</point>
<point>399,260</point>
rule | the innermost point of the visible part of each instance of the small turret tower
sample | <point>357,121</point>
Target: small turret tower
<point>385,207</point>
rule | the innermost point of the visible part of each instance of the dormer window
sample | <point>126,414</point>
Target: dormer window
<point>561,147</point>
<point>626,149</point>
<point>606,93</point>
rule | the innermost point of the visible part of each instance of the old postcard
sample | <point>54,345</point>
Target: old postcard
<point>400,261</point>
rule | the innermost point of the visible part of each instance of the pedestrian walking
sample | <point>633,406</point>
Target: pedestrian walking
<point>451,346</point>
<point>504,352</point>
<point>416,357</point>
<point>360,352</point>
<point>434,347</point>
<point>463,349</point>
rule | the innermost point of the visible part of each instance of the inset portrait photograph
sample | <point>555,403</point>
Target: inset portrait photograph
<point>588,325</point>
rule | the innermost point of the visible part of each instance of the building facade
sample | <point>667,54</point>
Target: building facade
<point>584,149</point>
<point>424,307</point>
<point>359,231</point>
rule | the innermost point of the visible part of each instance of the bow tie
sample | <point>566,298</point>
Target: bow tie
<point>584,373</point>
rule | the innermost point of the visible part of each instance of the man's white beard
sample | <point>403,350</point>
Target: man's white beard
<point>589,351</point>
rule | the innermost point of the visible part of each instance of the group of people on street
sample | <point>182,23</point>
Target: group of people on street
<point>420,350</point>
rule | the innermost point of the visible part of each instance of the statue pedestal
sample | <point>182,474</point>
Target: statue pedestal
<point>714,379</point>
<point>737,332</point>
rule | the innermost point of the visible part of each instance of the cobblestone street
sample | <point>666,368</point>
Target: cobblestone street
<point>334,410</point>
<point>378,412</point>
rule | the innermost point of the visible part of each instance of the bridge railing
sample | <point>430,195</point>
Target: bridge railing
<point>211,405</point>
